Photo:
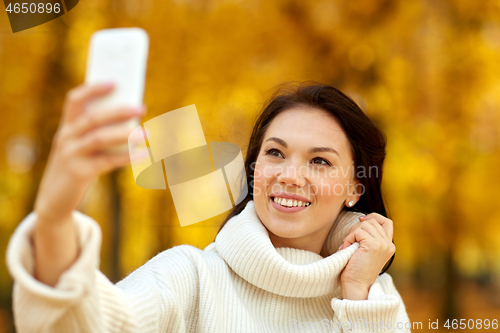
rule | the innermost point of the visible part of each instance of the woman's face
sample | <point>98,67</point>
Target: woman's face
<point>304,153</point>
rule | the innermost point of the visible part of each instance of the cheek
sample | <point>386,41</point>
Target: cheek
<point>330,187</point>
<point>261,178</point>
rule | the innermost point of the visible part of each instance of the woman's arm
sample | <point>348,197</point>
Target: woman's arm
<point>83,299</point>
<point>53,255</point>
<point>55,247</point>
<point>160,296</point>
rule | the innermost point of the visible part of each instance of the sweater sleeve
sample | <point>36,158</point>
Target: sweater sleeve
<point>83,300</point>
<point>383,311</point>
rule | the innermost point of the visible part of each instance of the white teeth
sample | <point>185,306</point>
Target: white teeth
<point>291,203</point>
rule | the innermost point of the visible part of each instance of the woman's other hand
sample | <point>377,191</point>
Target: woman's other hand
<point>374,235</point>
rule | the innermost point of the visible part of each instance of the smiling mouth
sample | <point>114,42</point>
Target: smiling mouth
<point>289,203</point>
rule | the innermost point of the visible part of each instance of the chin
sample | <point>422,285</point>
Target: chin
<point>280,226</point>
<point>284,229</point>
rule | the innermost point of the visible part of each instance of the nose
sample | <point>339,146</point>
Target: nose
<point>290,175</point>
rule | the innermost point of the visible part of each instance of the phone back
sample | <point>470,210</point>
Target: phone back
<point>120,56</point>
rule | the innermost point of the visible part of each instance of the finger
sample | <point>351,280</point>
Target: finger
<point>88,122</point>
<point>354,236</point>
<point>373,231</point>
<point>346,241</point>
<point>358,235</point>
<point>77,98</point>
<point>378,233</point>
<point>385,222</point>
<point>372,227</point>
<point>103,138</point>
<point>379,228</point>
<point>106,162</point>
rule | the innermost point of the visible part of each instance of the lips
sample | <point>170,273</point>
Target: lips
<point>291,196</point>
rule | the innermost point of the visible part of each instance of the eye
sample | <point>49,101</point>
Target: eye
<point>321,159</point>
<point>274,152</point>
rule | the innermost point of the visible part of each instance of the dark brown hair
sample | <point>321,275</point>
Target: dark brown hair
<point>366,140</point>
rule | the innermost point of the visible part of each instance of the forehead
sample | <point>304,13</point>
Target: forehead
<point>309,127</point>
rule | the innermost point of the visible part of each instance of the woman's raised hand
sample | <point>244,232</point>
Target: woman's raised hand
<point>374,235</point>
<point>78,156</point>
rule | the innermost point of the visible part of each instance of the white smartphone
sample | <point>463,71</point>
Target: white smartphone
<point>119,56</point>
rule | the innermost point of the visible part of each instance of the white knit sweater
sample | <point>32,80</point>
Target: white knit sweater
<point>239,283</point>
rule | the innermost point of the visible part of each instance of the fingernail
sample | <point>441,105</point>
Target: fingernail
<point>340,246</point>
<point>109,84</point>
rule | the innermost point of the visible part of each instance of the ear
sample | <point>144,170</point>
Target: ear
<point>354,192</point>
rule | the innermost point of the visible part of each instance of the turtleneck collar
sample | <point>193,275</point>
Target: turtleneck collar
<point>245,245</point>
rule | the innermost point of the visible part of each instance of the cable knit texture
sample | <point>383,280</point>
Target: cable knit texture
<point>239,283</point>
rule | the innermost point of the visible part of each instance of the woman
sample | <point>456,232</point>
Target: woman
<point>293,255</point>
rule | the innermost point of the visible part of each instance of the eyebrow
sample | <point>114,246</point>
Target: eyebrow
<point>311,150</point>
